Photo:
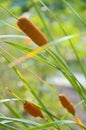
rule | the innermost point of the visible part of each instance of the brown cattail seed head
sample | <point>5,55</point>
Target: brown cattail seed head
<point>32,31</point>
<point>32,109</point>
<point>67,104</point>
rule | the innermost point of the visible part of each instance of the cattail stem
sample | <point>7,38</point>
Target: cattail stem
<point>8,11</point>
<point>32,31</point>
<point>79,122</point>
<point>14,94</point>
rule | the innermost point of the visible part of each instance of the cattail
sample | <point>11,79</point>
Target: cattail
<point>32,109</point>
<point>67,104</point>
<point>32,31</point>
<point>28,106</point>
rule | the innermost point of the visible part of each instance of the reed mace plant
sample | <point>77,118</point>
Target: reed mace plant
<point>32,31</point>
<point>67,104</point>
<point>32,109</point>
<point>28,106</point>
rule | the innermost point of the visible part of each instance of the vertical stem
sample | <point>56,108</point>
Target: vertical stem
<point>42,19</point>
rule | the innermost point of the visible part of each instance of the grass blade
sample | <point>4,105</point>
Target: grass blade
<point>75,13</point>
<point>47,125</point>
<point>7,100</point>
<point>39,50</point>
<point>19,120</point>
<point>13,36</point>
<point>8,127</point>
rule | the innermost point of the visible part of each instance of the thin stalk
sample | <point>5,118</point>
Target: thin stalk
<point>9,127</point>
<point>12,110</point>
<point>7,10</point>
<point>75,13</point>
<point>11,92</point>
<point>44,82</point>
<point>42,19</point>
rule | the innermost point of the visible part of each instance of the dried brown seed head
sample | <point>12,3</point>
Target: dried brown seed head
<point>67,104</point>
<point>32,109</point>
<point>32,31</point>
